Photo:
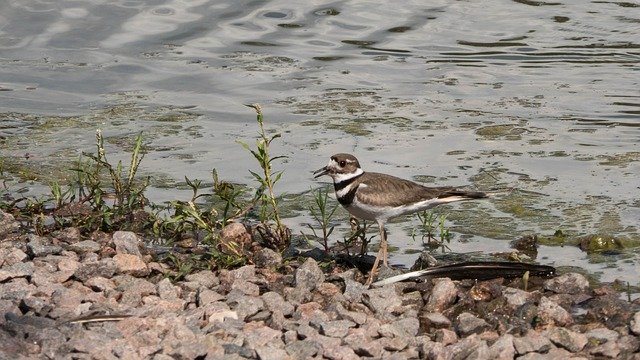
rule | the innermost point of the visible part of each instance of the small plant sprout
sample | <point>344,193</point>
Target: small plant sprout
<point>428,227</point>
<point>322,214</point>
<point>265,195</point>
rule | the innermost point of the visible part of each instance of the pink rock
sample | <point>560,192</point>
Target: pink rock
<point>131,264</point>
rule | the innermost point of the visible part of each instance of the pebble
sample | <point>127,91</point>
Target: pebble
<point>309,276</point>
<point>570,283</point>
<point>443,294</point>
<point>532,341</point>
<point>84,246</point>
<point>634,324</point>
<point>130,264</point>
<point>8,224</point>
<point>467,324</point>
<point>435,321</point>
<point>39,246</point>
<point>551,313</point>
<point>567,339</point>
<point>126,242</point>
<point>267,258</point>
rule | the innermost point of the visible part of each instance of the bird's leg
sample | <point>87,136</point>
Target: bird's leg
<point>383,244</point>
<point>382,252</point>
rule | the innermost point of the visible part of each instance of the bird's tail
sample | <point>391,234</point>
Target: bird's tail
<point>500,192</point>
<point>471,195</point>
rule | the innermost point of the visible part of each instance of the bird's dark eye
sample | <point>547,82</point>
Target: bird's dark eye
<point>343,163</point>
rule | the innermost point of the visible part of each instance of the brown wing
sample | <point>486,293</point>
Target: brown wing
<point>387,190</point>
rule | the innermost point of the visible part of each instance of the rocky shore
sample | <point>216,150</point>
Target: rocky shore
<point>70,297</point>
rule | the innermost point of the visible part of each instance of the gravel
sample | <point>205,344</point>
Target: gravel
<point>270,311</point>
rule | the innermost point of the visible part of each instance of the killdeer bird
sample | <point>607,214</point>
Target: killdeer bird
<point>380,197</point>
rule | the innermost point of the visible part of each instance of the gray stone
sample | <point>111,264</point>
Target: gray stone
<point>188,350</point>
<point>277,320</point>
<point>336,328</point>
<point>403,328</point>
<point>306,331</point>
<point>263,336</point>
<point>339,353</point>
<point>127,242</point>
<point>394,344</point>
<point>35,304</point>
<point>207,296</point>
<point>51,340</point>
<point>467,324</point>
<point>205,278</point>
<point>133,289</point>
<point>243,351</point>
<point>628,343</point>
<point>298,295</point>
<point>443,294</point>
<point>565,338</point>
<point>17,270</point>
<point>303,349</point>
<point>516,297</point>
<point>11,256</point>
<point>552,313</point>
<point>85,246</point>
<point>353,290</point>
<point>310,310</point>
<point>634,324</point>
<point>246,287</point>
<point>433,351</point>
<point>309,275</point>
<point>270,353</point>
<point>446,336</point>
<point>609,349</point>
<point>267,258</point>
<point>382,301</point>
<point>290,336</point>
<point>39,246</point>
<point>553,354</point>
<point>168,291</point>
<point>502,349</point>
<point>362,344</point>
<point>357,317</point>
<point>435,321</point>
<point>105,268</point>
<point>274,301</point>
<point>17,289</point>
<point>602,334</point>
<point>531,342</point>
<point>471,347</point>
<point>248,306</point>
<point>479,352</point>
<point>68,235</point>
<point>570,283</point>
<point>8,224</point>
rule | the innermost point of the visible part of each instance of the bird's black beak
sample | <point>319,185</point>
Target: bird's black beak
<point>320,172</point>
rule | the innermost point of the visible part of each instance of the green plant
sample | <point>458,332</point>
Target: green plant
<point>322,214</point>
<point>100,196</point>
<point>428,227</point>
<point>445,235</point>
<point>187,217</point>
<point>357,237</point>
<point>112,193</point>
<point>230,195</point>
<point>265,194</point>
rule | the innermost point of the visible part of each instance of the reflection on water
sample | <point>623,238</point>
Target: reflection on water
<point>539,95</point>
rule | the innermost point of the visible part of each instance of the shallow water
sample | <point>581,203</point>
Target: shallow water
<point>538,95</point>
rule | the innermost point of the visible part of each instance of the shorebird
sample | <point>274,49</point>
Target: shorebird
<point>380,197</point>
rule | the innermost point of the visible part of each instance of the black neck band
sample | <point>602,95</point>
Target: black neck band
<point>344,183</point>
